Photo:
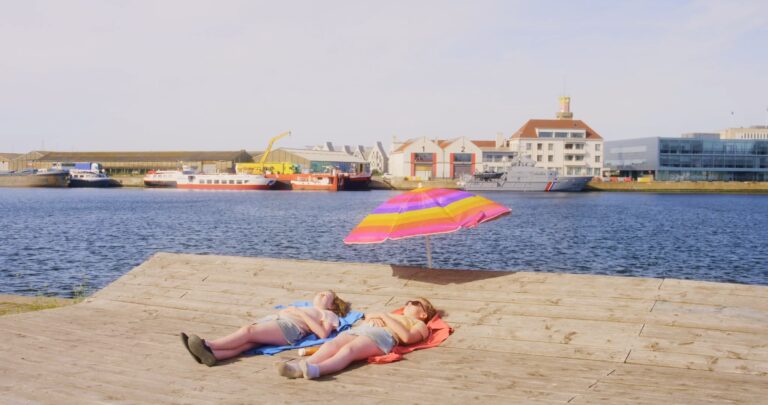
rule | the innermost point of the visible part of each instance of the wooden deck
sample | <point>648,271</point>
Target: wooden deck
<point>520,338</point>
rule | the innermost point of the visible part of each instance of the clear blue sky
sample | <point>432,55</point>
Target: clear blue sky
<point>227,75</point>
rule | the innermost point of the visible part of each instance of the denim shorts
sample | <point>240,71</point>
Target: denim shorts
<point>383,339</point>
<point>291,332</point>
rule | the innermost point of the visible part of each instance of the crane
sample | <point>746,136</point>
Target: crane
<point>269,147</point>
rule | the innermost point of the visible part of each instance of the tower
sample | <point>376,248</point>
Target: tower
<point>565,109</point>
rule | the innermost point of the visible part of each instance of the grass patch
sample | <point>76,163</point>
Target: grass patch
<point>15,304</point>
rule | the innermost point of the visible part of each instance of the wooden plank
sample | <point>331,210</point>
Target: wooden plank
<point>698,362</point>
<point>520,337</point>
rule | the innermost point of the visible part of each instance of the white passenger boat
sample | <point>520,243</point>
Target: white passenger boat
<point>203,181</point>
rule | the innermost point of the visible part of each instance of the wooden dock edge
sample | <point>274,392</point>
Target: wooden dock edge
<point>520,337</point>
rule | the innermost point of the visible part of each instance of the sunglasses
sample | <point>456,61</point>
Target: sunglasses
<point>415,302</point>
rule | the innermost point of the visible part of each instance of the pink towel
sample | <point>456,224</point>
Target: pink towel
<point>438,332</point>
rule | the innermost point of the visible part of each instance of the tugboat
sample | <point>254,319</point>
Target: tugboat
<point>521,174</point>
<point>88,174</point>
<point>316,182</point>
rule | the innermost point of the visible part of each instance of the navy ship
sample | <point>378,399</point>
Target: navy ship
<point>521,174</point>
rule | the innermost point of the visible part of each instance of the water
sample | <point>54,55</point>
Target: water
<point>63,242</point>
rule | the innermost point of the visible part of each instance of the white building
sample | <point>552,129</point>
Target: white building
<point>569,146</point>
<point>753,132</point>
<point>425,159</point>
<point>378,159</point>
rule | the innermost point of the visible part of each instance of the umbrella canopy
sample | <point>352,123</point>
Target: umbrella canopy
<point>424,212</point>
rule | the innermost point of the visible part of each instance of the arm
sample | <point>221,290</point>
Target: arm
<point>321,328</point>
<point>406,336</point>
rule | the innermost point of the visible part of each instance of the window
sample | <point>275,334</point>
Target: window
<point>538,158</point>
<point>579,158</point>
<point>550,158</point>
<point>539,146</point>
<point>577,134</point>
<point>239,182</point>
<point>545,134</point>
<point>597,147</point>
<point>561,134</point>
<point>527,146</point>
<point>462,157</point>
<point>423,157</point>
<point>597,159</point>
<point>579,146</point>
<point>568,146</point>
<point>551,147</point>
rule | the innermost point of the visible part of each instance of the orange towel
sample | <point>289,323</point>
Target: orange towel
<point>438,332</point>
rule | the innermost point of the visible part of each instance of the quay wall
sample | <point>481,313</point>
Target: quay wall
<point>378,183</point>
<point>682,186</point>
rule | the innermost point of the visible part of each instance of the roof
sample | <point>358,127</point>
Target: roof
<point>529,129</point>
<point>9,156</point>
<point>324,155</point>
<point>142,156</point>
<point>485,144</point>
<point>404,146</point>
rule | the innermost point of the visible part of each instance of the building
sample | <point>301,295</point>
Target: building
<point>141,162</point>
<point>426,159</point>
<point>569,146</point>
<point>378,159</point>
<point>319,161</point>
<point>689,159</point>
<point>753,132</point>
<point>6,160</point>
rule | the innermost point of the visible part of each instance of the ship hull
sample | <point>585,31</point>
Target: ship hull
<point>34,180</point>
<point>567,184</point>
<point>102,183</point>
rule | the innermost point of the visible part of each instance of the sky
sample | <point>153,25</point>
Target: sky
<point>125,75</point>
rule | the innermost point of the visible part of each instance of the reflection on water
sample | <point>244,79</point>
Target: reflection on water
<point>56,241</point>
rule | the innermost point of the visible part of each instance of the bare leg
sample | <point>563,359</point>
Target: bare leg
<point>247,338</point>
<point>329,348</point>
<point>359,348</point>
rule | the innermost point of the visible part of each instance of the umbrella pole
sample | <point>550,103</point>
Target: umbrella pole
<point>429,252</point>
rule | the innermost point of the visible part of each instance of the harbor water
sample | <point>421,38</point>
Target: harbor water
<point>67,242</point>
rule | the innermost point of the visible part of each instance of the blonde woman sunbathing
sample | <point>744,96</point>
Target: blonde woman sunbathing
<point>377,336</point>
<point>288,326</point>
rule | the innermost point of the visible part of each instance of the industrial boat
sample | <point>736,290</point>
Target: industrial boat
<point>521,174</point>
<point>90,178</point>
<point>34,178</point>
<point>316,182</point>
<point>87,174</point>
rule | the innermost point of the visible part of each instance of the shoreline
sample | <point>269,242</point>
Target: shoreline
<point>11,304</point>
<point>709,187</point>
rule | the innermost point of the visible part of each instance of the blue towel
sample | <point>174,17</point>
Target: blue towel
<point>311,339</point>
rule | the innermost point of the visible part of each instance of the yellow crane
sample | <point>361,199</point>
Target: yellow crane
<point>262,166</point>
<point>269,147</point>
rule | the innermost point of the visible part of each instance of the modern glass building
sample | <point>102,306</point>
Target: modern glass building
<point>689,159</point>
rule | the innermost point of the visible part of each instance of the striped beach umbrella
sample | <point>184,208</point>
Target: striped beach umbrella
<point>425,212</point>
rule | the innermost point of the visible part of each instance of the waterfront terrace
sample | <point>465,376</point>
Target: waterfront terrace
<point>519,337</point>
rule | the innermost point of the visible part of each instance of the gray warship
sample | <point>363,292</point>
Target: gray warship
<point>521,174</point>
